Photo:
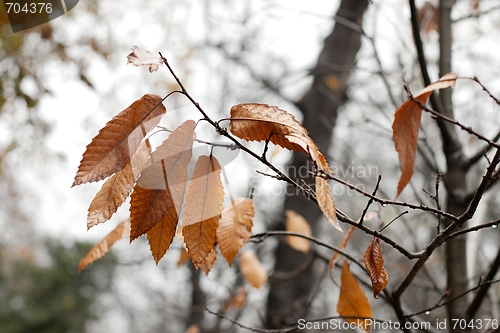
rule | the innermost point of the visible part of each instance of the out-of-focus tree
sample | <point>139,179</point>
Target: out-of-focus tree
<point>43,292</point>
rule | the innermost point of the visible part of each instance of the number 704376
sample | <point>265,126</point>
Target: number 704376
<point>29,8</point>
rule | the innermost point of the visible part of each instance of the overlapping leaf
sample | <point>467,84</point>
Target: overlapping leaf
<point>139,57</point>
<point>261,122</point>
<point>341,246</point>
<point>374,263</point>
<point>252,269</point>
<point>235,228</point>
<point>406,126</point>
<point>110,150</point>
<point>101,248</point>
<point>298,224</point>
<point>353,305</point>
<point>117,188</point>
<point>208,263</point>
<point>159,191</point>
<point>202,208</point>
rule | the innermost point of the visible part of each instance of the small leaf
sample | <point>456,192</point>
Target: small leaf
<point>374,262</point>
<point>326,203</point>
<point>235,228</point>
<point>111,196</point>
<point>202,208</point>
<point>252,269</point>
<point>298,224</point>
<point>144,58</point>
<point>110,150</point>
<point>101,248</point>
<point>352,301</point>
<point>208,263</point>
<point>406,126</point>
<point>341,246</point>
<point>236,301</point>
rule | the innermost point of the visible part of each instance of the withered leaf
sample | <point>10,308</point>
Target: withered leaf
<point>374,262</point>
<point>298,224</point>
<point>101,248</point>
<point>110,150</point>
<point>202,208</point>
<point>261,122</point>
<point>235,227</point>
<point>252,269</point>
<point>352,301</point>
<point>237,300</point>
<point>144,58</point>
<point>158,194</point>
<point>406,125</point>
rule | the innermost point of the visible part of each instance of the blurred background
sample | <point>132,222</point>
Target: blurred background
<point>62,81</point>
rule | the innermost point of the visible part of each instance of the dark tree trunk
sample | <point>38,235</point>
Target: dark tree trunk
<point>294,277</point>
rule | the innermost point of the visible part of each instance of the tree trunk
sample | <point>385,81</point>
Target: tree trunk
<point>294,277</point>
<point>455,179</point>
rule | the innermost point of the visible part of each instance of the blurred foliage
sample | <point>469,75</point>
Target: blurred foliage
<point>48,295</point>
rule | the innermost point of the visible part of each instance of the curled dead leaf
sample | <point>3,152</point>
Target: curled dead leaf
<point>374,262</point>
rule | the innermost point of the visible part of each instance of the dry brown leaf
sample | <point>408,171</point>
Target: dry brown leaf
<point>252,269</point>
<point>298,224</point>
<point>208,263</point>
<point>235,228</point>
<point>374,262</point>
<point>341,246</point>
<point>326,203</point>
<point>101,248</point>
<point>112,195</point>
<point>158,194</point>
<point>202,208</point>
<point>236,301</point>
<point>144,58</point>
<point>261,122</point>
<point>352,301</point>
<point>407,124</point>
<point>160,236</point>
<point>110,150</point>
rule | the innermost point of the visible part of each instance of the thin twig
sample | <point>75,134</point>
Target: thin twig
<point>370,201</point>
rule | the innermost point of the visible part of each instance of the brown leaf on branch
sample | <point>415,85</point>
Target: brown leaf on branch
<point>202,208</point>
<point>158,194</point>
<point>406,126</point>
<point>374,262</point>
<point>261,122</point>
<point>341,246</point>
<point>252,269</point>
<point>110,150</point>
<point>144,58</point>
<point>326,203</point>
<point>298,224</point>
<point>101,248</point>
<point>112,195</point>
<point>352,301</point>
<point>235,228</point>
<point>117,188</point>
